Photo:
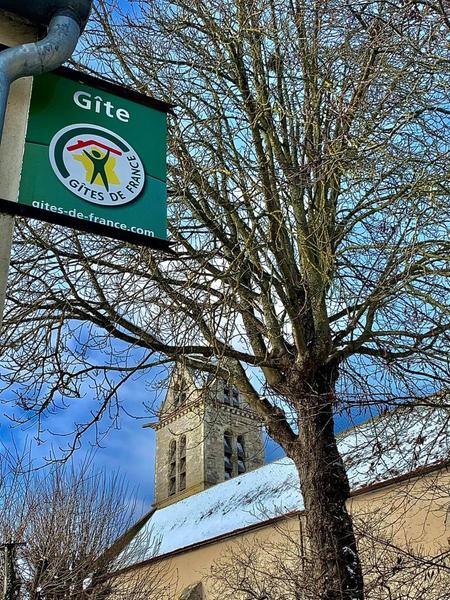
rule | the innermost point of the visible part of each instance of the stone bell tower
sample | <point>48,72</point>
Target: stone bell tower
<point>206,434</point>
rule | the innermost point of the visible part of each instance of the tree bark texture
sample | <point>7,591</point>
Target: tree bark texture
<point>334,560</point>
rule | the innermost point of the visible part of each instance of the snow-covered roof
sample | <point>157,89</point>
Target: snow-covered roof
<point>240,502</point>
<point>395,444</point>
<point>378,450</point>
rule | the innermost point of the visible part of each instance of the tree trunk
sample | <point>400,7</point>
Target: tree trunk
<point>336,569</point>
<point>11,582</point>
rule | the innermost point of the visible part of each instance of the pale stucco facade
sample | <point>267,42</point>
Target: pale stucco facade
<point>411,514</point>
<point>13,31</point>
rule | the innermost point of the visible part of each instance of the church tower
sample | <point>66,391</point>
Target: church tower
<point>206,434</point>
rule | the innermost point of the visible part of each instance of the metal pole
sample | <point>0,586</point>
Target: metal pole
<point>6,236</point>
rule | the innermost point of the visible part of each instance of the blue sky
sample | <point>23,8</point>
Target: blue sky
<point>128,449</point>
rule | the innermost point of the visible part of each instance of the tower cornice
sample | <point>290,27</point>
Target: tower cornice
<point>188,406</point>
<point>172,416</point>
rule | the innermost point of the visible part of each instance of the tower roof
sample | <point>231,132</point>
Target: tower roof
<point>193,379</point>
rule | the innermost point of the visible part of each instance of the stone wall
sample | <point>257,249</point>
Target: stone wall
<point>188,422</point>
<point>220,418</point>
<point>203,417</point>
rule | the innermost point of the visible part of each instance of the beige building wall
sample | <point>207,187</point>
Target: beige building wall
<point>412,515</point>
<point>412,512</point>
<point>192,566</point>
<point>13,31</point>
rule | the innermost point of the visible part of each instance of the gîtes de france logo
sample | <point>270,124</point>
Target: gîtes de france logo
<point>96,164</point>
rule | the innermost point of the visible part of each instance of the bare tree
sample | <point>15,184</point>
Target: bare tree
<point>277,567</point>
<point>308,184</point>
<point>279,571</point>
<point>64,526</point>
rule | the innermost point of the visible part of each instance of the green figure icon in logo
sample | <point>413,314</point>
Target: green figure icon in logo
<point>96,165</point>
<point>99,163</point>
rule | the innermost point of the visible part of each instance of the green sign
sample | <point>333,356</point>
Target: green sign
<point>96,156</point>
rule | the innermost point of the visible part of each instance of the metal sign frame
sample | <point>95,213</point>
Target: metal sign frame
<point>22,210</point>
<point>70,218</point>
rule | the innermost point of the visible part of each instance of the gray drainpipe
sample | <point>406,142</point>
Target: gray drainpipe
<point>63,31</point>
<point>32,59</point>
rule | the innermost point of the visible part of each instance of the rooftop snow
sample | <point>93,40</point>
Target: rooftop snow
<point>379,450</point>
<point>395,444</point>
